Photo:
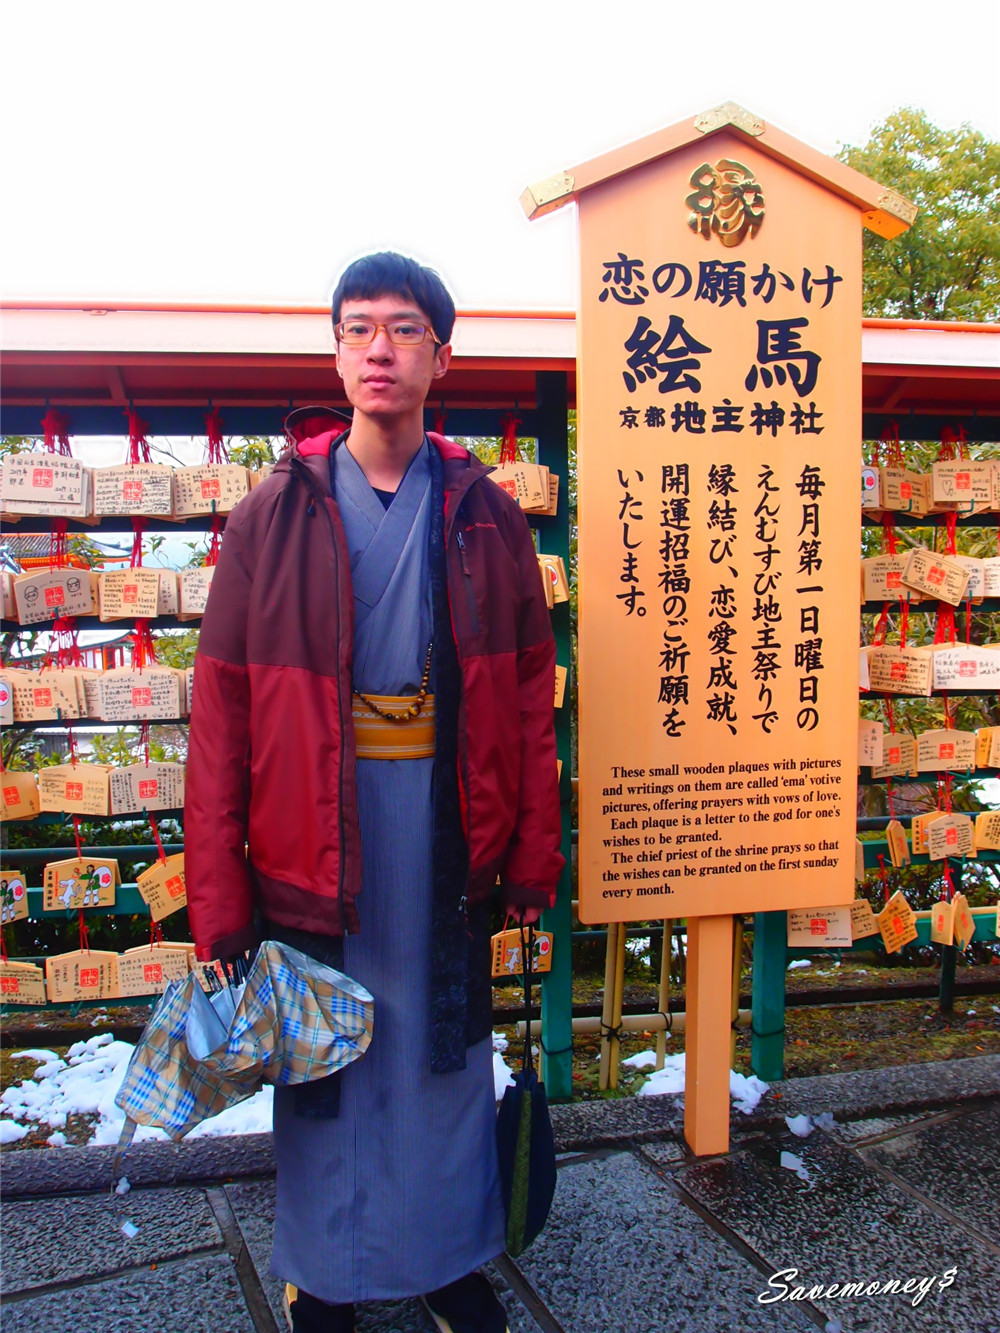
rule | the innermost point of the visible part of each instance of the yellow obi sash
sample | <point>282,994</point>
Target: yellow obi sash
<point>378,739</point>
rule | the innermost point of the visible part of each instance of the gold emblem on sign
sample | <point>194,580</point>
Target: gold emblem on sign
<point>726,200</point>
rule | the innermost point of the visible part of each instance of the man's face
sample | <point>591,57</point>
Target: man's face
<point>384,379</point>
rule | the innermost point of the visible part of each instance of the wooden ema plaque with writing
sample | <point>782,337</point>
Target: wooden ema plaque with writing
<point>935,575</point>
<point>195,585</point>
<point>135,488</point>
<point>948,749</point>
<point>897,923</point>
<point>47,594</point>
<point>131,694</point>
<point>163,887</point>
<point>80,882</point>
<point>18,795</point>
<point>963,484</point>
<point>209,488</point>
<point>719,407</point>
<point>987,830</point>
<point>43,696</point>
<point>149,968</point>
<point>44,483</point>
<point>951,835</point>
<point>127,594</point>
<point>6,702</point>
<point>13,896</point>
<point>84,974</point>
<point>76,789</point>
<point>967,667</point>
<point>21,983</point>
<point>141,787</point>
<point>820,928</point>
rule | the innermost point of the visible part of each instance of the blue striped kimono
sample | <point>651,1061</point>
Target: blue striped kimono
<point>399,1194</point>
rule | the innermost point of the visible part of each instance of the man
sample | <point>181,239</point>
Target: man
<point>371,747</point>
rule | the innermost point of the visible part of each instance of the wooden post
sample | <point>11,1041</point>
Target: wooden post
<point>706,1084</point>
<point>663,1001</point>
<point>608,1007</point>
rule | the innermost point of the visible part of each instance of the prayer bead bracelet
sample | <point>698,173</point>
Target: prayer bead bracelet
<point>415,708</point>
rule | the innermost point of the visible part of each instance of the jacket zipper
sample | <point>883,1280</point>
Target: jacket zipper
<point>470,592</point>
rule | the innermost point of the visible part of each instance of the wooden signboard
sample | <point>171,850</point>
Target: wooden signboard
<point>719,398</point>
<point>719,415</point>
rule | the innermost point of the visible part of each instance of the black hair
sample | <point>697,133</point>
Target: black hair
<point>390,274</point>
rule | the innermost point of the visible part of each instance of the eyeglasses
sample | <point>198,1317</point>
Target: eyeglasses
<point>402,332</point>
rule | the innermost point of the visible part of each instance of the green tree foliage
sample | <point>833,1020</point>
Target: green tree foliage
<point>947,265</point>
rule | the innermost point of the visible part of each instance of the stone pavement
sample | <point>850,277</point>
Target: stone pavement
<point>904,1185</point>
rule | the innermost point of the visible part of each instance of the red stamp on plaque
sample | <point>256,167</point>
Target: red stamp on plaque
<point>905,490</point>
<point>946,750</point>
<point>55,597</point>
<point>895,754</point>
<point>175,886</point>
<point>897,925</point>
<point>132,490</point>
<point>210,488</point>
<point>152,972</point>
<point>897,671</point>
<point>90,976</point>
<point>130,592</point>
<point>42,477</point>
<point>104,877</point>
<point>936,575</point>
<point>967,669</point>
<point>149,788</point>
<point>894,579</point>
<point>74,791</point>
<point>142,696</point>
<point>11,796</point>
<point>951,836</point>
<point>963,481</point>
<point>818,925</point>
<point>10,985</point>
<point>42,698</point>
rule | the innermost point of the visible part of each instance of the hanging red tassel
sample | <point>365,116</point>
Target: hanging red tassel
<point>143,645</point>
<point>55,432</point>
<point>138,445</point>
<point>509,451</point>
<point>217,451</point>
<point>889,543</point>
<point>893,451</point>
<point>138,528</point>
<point>215,541</point>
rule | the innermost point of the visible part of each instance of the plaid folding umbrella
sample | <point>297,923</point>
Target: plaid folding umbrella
<point>293,1020</point>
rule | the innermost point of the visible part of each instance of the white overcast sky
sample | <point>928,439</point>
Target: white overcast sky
<point>247,151</point>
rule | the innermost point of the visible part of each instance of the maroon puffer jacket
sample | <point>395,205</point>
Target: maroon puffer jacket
<point>271,761</point>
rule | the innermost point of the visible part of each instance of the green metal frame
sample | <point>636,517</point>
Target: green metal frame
<point>553,539</point>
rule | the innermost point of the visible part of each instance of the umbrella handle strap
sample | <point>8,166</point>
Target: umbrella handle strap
<point>124,1143</point>
<point>527,958</point>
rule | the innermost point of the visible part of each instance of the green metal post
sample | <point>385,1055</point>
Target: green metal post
<point>767,1043</point>
<point>553,539</point>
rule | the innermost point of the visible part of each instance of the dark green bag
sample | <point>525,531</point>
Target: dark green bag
<point>525,1146</point>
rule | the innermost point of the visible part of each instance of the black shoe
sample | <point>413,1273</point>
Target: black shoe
<point>307,1314</point>
<point>467,1306</point>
